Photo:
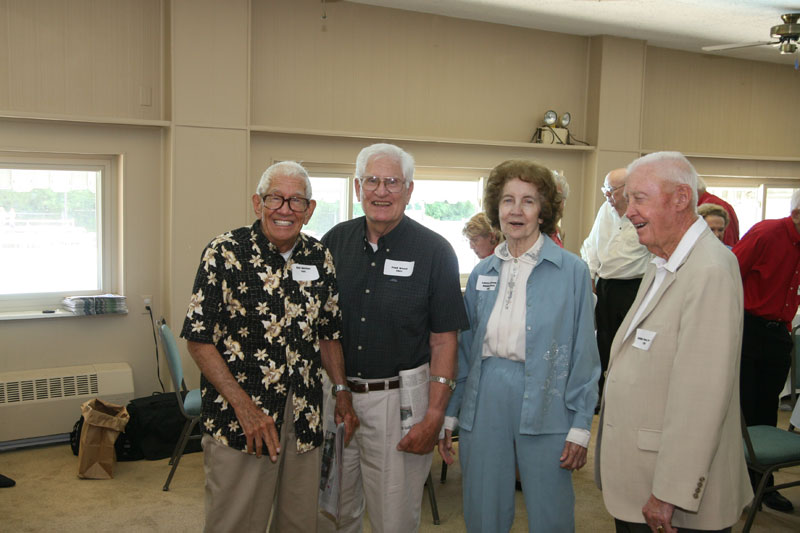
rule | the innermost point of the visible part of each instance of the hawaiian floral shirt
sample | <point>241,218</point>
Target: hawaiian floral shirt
<point>265,316</point>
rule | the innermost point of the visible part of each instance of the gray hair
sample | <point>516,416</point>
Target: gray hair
<point>795,200</point>
<point>561,182</point>
<point>287,169</point>
<point>386,150</point>
<point>701,185</point>
<point>672,166</point>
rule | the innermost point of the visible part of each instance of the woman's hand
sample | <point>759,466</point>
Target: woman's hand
<point>446,447</point>
<point>573,457</point>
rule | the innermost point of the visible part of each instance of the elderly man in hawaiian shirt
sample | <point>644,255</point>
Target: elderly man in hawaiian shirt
<point>262,324</point>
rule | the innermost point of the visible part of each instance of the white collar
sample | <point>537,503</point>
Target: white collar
<point>685,246</point>
<point>531,256</point>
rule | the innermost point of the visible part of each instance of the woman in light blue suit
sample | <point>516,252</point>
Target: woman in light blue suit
<point>527,367</point>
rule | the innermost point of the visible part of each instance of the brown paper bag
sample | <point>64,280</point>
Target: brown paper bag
<point>102,423</point>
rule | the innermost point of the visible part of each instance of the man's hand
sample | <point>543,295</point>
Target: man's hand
<point>422,437</point>
<point>344,412</point>
<point>573,457</point>
<point>658,514</point>
<point>258,428</point>
<point>446,447</point>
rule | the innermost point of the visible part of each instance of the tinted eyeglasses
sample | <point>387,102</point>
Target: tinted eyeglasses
<point>275,202</point>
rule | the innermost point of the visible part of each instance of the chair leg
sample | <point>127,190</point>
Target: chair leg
<point>757,499</point>
<point>179,452</point>
<point>432,497</point>
<point>184,432</point>
<point>444,473</point>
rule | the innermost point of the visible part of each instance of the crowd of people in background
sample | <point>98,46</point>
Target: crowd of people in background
<point>283,326</point>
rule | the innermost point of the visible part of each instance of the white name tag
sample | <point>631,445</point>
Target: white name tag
<point>486,283</point>
<point>644,339</point>
<point>304,272</point>
<point>401,269</point>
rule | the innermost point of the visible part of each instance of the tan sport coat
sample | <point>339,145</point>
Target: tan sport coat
<point>670,418</point>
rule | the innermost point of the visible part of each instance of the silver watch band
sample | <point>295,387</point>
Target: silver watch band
<point>444,381</point>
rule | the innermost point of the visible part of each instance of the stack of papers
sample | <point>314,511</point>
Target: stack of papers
<point>95,305</point>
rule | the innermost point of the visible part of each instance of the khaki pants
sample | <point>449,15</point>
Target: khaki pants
<point>241,488</point>
<point>389,482</point>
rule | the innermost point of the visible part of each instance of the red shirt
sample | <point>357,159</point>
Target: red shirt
<point>769,260</point>
<point>731,235</point>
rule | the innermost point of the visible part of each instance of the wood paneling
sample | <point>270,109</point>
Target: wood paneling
<point>210,62</point>
<point>379,70</point>
<point>82,57</point>
<point>713,105</point>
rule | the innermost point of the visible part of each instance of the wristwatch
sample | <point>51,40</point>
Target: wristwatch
<point>444,381</point>
<point>339,388</point>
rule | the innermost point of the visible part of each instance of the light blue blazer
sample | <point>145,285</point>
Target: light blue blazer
<point>562,365</point>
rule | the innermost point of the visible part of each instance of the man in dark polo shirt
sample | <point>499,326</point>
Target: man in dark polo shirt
<point>401,309</point>
<point>769,260</point>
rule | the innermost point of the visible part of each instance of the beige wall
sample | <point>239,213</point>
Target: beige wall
<point>239,84</point>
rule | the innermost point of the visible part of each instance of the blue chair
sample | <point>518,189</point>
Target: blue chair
<point>188,400</point>
<point>767,450</point>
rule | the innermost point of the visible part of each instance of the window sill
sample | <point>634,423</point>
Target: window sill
<point>39,314</point>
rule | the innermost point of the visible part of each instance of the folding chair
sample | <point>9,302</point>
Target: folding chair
<point>767,450</point>
<point>189,404</point>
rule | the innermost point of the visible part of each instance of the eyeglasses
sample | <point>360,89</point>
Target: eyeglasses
<point>275,202</point>
<point>371,183</point>
<point>610,190</point>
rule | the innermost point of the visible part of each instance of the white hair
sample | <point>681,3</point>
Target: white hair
<point>561,181</point>
<point>287,169</point>
<point>795,200</point>
<point>386,150</point>
<point>672,166</point>
<point>701,184</point>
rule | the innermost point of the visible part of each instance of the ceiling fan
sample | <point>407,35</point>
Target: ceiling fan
<point>787,35</point>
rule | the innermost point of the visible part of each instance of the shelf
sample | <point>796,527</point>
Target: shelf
<point>83,119</point>
<point>415,139</point>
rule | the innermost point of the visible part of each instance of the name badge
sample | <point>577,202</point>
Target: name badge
<point>401,269</point>
<point>644,339</point>
<point>304,272</point>
<point>486,283</point>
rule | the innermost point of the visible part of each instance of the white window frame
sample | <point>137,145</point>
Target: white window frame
<point>421,173</point>
<point>31,305</point>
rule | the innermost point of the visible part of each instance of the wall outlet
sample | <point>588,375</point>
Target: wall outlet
<point>147,300</point>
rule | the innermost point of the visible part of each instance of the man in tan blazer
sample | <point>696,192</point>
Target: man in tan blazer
<point>669,449</point>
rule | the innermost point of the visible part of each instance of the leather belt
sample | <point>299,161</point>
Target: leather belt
<point>360,386</point>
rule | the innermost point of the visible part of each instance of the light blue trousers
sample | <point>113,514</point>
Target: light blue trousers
<point>491,449</point>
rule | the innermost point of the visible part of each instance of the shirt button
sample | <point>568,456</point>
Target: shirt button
<point>528,328</point>
<point>363,319</point>
<point>359,347</point>
<point>367,291</point>
<point>387,250</point>
<point>372,264</point>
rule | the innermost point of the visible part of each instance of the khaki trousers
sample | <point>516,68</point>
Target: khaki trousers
<point>241,488</point>
<point>388,482</point>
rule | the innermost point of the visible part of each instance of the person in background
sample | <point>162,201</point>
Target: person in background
<point>483,238</point>
<point>704,197</point>
<point>617,262</point>
<point>563,189</point>
<point>716,217</point>
<point>527,365</point>
<point>262,323</point>
<point>769,261</point>
<point>669,453</point>
<point>401,309</point>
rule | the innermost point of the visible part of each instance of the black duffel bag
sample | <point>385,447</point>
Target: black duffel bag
<point>156,424</point>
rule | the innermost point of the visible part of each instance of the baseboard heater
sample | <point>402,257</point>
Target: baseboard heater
<point>40,406</point>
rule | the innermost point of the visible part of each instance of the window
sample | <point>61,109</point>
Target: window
<point>54,230</point>
<point>443,200</point>
<point>754,199</point>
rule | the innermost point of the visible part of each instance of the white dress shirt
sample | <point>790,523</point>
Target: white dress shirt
<point>612,249</point>
<point>663,266</point>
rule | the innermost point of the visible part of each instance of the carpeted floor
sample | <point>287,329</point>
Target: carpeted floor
<point>49,497</point>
